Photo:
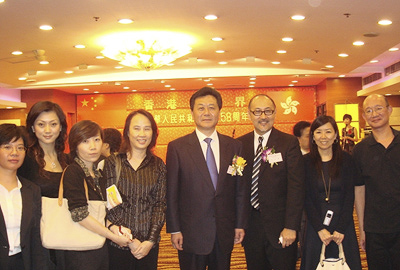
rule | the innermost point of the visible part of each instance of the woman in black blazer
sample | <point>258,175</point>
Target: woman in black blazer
<point>20,246</point>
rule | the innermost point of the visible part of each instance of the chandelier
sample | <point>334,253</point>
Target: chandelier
<point>149,51</point>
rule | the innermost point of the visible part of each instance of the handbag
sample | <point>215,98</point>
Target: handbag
<point>332,263</point>
<point>59,231</point>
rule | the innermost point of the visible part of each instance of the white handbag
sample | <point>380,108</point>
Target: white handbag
<point>59,231</point>
<point>332,263</point>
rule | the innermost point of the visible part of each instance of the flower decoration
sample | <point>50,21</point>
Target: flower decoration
<point>238,164</point>
<point>265,153</point>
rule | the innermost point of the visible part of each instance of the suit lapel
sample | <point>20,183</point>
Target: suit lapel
<point>196,153</point>
<point>225,159</point>
<point>3,230</point>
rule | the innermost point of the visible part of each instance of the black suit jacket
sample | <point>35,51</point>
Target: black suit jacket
<point>32,250</point>
<point>281,188</point>
<point>194,207</point>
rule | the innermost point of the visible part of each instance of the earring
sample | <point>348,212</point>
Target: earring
<point>33,129</point>
<point>336,140</point>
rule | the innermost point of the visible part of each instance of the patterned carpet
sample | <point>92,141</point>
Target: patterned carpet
<point>168,256</point>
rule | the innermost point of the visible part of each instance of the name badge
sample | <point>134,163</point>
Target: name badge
<point>274,158</point>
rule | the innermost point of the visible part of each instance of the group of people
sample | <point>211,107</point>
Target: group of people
<point>260,190</point>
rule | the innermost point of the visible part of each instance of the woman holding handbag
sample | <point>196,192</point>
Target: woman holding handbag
<point>329,200</point>
<point>45,159</point>
<point>85,142</point>
<point>19,206</point>
<point>140,177</point>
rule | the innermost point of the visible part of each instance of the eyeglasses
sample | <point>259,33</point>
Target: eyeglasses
<point>267,112</point>
<point>9,148</point>
<point>377,109</point>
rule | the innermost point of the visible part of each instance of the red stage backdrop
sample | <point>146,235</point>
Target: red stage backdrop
<point>171,110</point>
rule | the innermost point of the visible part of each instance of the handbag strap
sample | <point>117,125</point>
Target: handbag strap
<point>341,254</point>
<point>61,189</point>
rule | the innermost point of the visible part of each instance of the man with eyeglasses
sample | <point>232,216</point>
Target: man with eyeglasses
<point>275,178</point>
<point>377,194</point>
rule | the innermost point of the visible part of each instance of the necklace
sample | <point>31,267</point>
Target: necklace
<point>53,165</point>
<point>327,190</point>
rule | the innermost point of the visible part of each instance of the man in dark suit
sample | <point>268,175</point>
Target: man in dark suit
<point>275,179</point>
<point>206,204</point>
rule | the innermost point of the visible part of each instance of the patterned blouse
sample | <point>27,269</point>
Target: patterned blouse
<point>143,196</point>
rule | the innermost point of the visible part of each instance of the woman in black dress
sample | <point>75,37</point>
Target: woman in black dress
<point>45,159</point>
<point>329,190</point>
<point>349,134</point>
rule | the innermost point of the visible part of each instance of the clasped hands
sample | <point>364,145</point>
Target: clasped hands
<point>326,237</point>
<point>138,249</point>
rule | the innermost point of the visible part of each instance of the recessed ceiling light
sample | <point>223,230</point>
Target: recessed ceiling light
<point>167,85</point>
<point>125,21</point>
<point>134,90</point>
<point>388,94</point>
<point>68,72</point>
<point>126,87</point>
<point>206,80</point>
<point>210,17</point>
<point>252,82</point>
<point>217,39</point>
<point>275,62</point>
<point>393,49</point>
<point>30,80</point>
<point>252,78</point>
<point>343,55</point>
<point>287,39</point>
<point>251,85</point>
<point>210,84</point>
<point>223,63</point>
<point>374,61</point>
<point>172,89</point>
<point>329,66</point>
<point>8,106</point>
<point>96,92</point>
<point>295,81</point>
<point>358,43</point>
<point>117,83</point>
<point>118,67</point>
<point>85,89</point>
<point>44,62</point>
<point>46,27</point>
<point>80,46</point>
<point>17,53</point>
<point>385,22</point>
<point>99,57</point>
<point>22,78</point>
<point>298,17</point>
<point>281,51</point>
<point>291,85</point>
<point>342,76</point>
<point>220,51</point>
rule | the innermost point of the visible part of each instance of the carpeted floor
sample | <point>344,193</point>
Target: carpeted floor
<point>168,257</point>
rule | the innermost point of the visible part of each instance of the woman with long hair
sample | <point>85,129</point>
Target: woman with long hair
<point>329,200</point>
<point>45,160</point>
<point>140,178</point>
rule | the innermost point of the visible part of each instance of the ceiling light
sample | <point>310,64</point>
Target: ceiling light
<point>68,72</point>
<point>170,64</point>
<point>385,22</point>
<point>8,107</point>
<point>125,21</point>
<point>146,50</point>
<point>46,27</point>
<point>298,17</point>
<point>210,84</point>
<point>80,46</point>
<point>22,78</point>
<point>96,92</point>
<point>251,85</point>
<point>85,89</point>
<point>217,39</point>
<point>210,17</point>
<point>223,63</point>
<point>30,80</point>
<point>291,85</point>
<point>252,82</point>
<point>206,80</point>
<point>1,1</point>
<point>393,49</point>
<point>126,87</point>
<point>220,51</point>
<point>44,62</point>
<point>287,39</point>
<point>281,51</point>
<point>99,57</point>
<point>275,62</point>
<point>342,76</point>
<point>374,61</point>
<point>17,53</point>
<point>119,67</point>
<point>343,55</point>
<point>295,81</point>
<point>388,94</point>
<point>329,66</point>
<point>167,85</point>
<point>134,90</point>
<point>117,83</point>
<point>172,89</point>
<point>252,78</point>
<point>358,43</point>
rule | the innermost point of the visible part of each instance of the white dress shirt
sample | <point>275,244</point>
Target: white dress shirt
<point>11,206</point>
<point>214,145</point>
<point>264,142</point>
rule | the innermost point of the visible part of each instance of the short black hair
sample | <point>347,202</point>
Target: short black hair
<point>81,131</point>
<point>299,127</point>
<point>347,116</point>
<point>113,137</point>
<point>206,91</point>
<point>11,132</point>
